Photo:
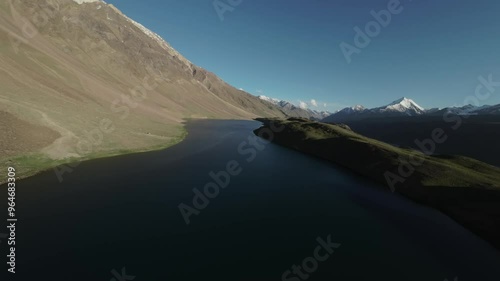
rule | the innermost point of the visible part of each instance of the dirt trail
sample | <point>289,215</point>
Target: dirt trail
<point>62,147</point>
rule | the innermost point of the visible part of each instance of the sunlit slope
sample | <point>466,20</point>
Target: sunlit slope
<point>465,189</point>
<point>389,165</point>
<point>85,80</point>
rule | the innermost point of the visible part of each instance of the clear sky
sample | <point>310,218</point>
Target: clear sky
<point>431,51</point>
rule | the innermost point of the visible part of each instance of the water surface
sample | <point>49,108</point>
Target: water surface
<point>123,212</point>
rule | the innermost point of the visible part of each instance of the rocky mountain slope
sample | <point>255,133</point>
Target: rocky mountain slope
<point>468,110</point>
<point>84,80</point>
<point>295,111</point>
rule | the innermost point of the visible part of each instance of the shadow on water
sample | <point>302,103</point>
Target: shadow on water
<point>122,212</point>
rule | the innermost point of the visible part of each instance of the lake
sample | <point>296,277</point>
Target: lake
<point>121,215</point>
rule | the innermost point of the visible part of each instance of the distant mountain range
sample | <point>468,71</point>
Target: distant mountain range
<point>468,110</point>
<point>295,111</point>
<point>406,107</point>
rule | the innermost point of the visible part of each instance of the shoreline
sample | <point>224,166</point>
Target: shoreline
<point>466,198</point>
<point>43,163</point>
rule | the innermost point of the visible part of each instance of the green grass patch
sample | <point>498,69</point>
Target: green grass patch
<point>31,164</point>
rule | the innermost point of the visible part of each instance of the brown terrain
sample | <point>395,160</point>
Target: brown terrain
<point>83,80</point>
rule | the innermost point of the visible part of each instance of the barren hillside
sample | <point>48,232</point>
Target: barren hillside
<point>84,80</point>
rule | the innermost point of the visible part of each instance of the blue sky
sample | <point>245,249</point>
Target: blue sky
<point>431,51</point>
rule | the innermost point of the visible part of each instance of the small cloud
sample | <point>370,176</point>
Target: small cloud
<point>302,104</point>
<point>260,92</point>
<point>325,105</point>
<point>314,103</point>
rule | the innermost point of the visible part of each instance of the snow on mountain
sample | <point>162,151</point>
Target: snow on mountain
<point>160,41</point>
<point>321,114</point>
<point>406,107</point>
<point>268,99</point>
<point>163,44</point>
<point>296,111</point>
<point>488,110</point>
<point>402,105</point>
<point>86,1</point>
<point>406,103</point>
<point>464,110</point>
<point>352,110</point>
<point>281,103</point>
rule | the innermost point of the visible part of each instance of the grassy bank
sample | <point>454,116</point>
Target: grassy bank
<point>465,189</point>
<point>34,163</point>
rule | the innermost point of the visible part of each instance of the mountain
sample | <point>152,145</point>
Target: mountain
<point>403,106</point>
<point>294,111</point>
<point>488,110</point>
<point>81,79</point>
<point>400,107</point>
<point>466,110</point>
<point>406,107</point>
<point>345,114</point>
<point>352,110</point>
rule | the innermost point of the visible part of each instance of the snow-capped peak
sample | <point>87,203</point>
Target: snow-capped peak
<point>407,103</point>
<point>296,110</point>
<point>354,109</point>
<point>358,108</point>
<point>278,102</point>
<point>268,99</point>
<point>403,105</point>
